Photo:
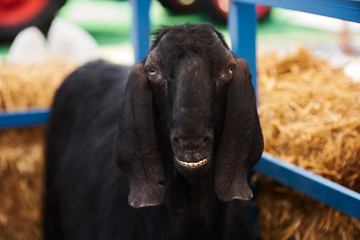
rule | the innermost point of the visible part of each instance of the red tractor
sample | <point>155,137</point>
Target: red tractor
<point>217,9</point>
<point>16,15</point>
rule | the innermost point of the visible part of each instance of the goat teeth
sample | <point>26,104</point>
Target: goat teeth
<point>197,164</point>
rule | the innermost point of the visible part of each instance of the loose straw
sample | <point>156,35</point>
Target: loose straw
<point>310,115</point>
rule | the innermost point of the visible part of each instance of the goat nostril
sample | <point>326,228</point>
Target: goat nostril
<point>207,138</point>
<point>175,139</point>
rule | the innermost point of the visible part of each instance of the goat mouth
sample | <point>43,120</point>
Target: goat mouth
<point>192,164</point>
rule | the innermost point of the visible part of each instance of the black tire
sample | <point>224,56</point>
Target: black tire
<point>212,8</point>
<point>176,6</point>
<point>42,20</point>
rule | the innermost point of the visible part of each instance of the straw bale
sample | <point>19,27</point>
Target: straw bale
<point>21,150</point>
<point>31,85</point>
<point>21,183</point>
<point>310,115</point>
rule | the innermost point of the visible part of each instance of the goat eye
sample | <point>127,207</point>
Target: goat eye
<point>152,72</point>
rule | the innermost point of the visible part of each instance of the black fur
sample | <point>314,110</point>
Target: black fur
<point>190,99</point>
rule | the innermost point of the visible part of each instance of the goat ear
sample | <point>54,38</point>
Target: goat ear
<point>136,149</point>
<point>241,144</point>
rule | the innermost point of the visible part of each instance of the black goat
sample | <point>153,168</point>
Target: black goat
<point>186,134</point>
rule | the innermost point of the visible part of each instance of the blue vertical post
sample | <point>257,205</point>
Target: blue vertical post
<point>140,28</point>
<point>242,26</point>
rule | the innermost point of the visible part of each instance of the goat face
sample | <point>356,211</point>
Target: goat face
<point>199,97</point>
<point>184,99</point>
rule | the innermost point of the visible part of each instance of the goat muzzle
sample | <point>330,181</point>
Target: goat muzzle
<point>192,152</point>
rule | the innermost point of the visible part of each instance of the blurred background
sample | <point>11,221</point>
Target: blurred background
<point>109,23</point>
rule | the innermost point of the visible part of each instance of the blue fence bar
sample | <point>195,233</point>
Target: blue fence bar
<point>290,175</point>
<point>140,28</point>
<point>313,185</point>
<point>30,117</point>
<point>243,34</point>
<point>342,9</point>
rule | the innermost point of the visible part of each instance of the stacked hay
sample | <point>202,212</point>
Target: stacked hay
<point>21,173</point>
<point>310,115</point>
<point>33,85</point>
<point>21,150</point>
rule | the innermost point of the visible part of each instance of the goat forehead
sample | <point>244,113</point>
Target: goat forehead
<point>188,37</point>
<point>178,41</point>
<point>192,72</point>
<point>193,90</point>
<point>193,62</point>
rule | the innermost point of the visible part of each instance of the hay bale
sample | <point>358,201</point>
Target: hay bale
<point>310,115</point>
<point>21,183</point>
<point>22,150</point>
<point>31,85</point>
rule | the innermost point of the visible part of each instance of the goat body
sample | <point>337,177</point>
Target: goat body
<point>178,177</point>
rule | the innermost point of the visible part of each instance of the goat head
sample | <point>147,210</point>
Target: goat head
<point>189,106</point>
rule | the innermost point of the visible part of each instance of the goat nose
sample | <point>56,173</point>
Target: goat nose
<point>191,142</point>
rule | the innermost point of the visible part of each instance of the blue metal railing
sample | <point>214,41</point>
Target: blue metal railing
<point>29,117</point>
<point>242,31</point>
<point>311,184</point>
